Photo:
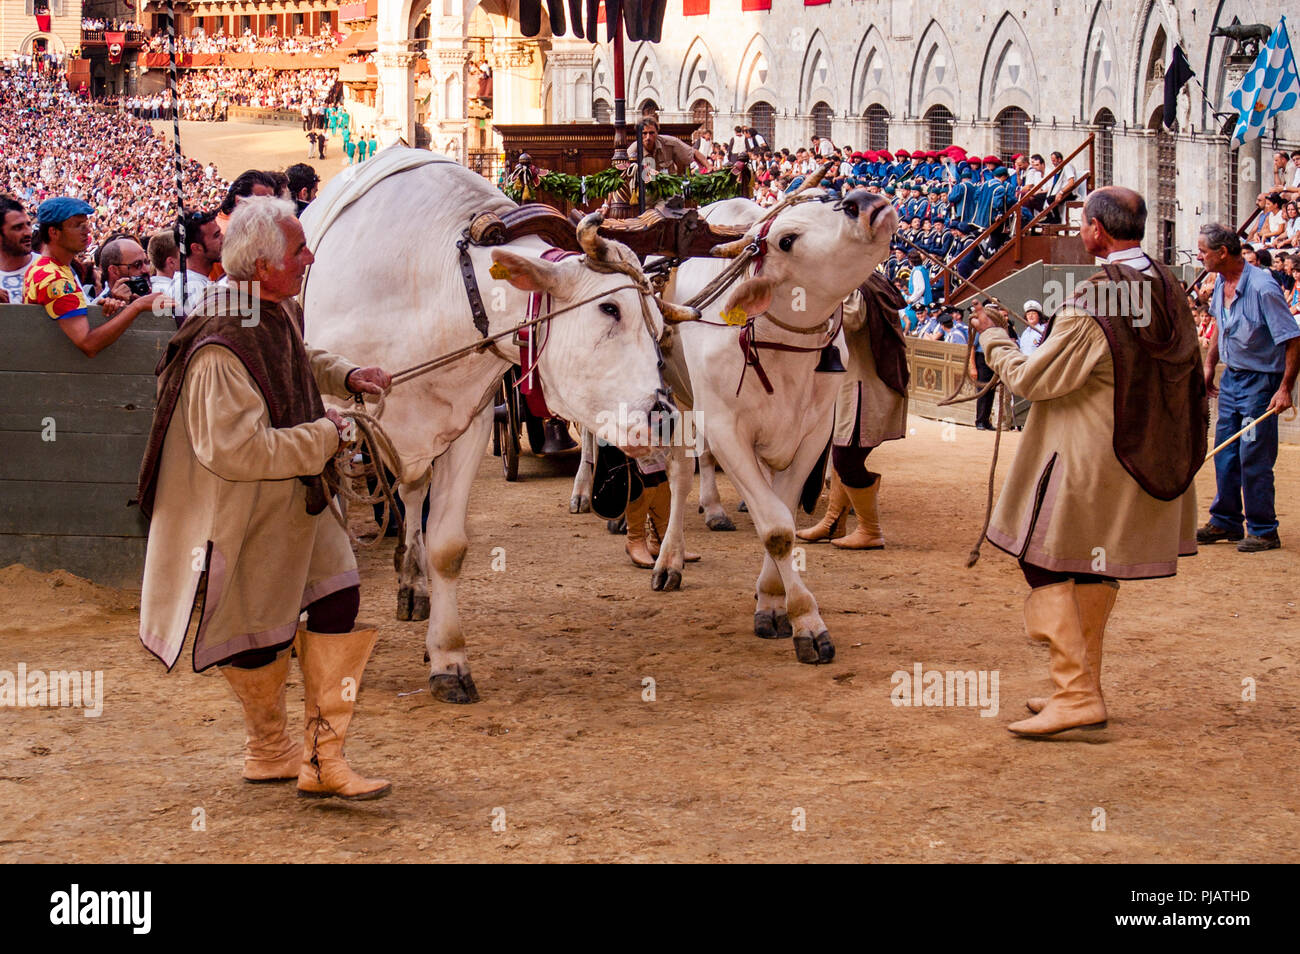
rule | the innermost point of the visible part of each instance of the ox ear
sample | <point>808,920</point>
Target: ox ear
<point>526,274</point>
<point>752,296</point>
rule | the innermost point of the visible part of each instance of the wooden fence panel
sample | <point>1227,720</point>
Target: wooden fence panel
<point>73,430</point>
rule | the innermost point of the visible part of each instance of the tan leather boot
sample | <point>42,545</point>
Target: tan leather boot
<point>270,755</point>
<point>1095,600</point>
<point>661,499</point>
<point>837,513</point>
<point>332,664</point>
<point>867,535</point>
<point>1076,704</point>
<point>637,511</point>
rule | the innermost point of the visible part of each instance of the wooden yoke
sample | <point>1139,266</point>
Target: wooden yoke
<point>667,229</point>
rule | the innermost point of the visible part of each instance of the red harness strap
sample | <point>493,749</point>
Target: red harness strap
<point>749,347</point>
<point>761,242</point>
<point>532,390</point>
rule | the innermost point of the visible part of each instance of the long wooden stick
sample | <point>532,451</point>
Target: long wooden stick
<point>1210,456</point>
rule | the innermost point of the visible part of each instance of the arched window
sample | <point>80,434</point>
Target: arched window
<point>1105,147</point>
<point>601,112</point>
<point>649,109</point>
<point>877,120</point>
<point>940,121</point>
<point>1013,132</point>
<point>821,117</point>
<point>763,118</point>
<point>702,113</point>
<point>1156,63</point>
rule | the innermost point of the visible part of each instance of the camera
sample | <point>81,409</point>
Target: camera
<point>139,285</point>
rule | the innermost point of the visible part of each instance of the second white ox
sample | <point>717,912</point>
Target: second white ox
<point>813,255</point>
<point>386,289</point>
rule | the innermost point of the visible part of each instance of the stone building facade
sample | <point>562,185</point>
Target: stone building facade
<point>897,73</point>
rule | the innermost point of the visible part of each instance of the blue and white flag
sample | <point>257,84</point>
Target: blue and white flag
<point>1271,87</point>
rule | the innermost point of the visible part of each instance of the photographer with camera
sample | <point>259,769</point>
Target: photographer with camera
<point>125,267</point>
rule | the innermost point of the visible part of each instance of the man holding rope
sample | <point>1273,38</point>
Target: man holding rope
<point>236,482</point>
<point>1101,487</point>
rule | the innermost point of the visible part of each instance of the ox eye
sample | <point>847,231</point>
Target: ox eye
<point>611,309</point>
<point>787,241</point>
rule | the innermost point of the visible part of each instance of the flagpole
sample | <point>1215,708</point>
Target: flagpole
<point>181,238</point>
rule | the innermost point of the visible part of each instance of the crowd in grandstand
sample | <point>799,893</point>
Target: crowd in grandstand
<point>248,42</point>
<point>206,94</point>
<point>120,26</point>
<point>52,143</point>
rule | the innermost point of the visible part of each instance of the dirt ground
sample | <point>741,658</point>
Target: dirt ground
<point>235,147</point>
<point>740,744</point>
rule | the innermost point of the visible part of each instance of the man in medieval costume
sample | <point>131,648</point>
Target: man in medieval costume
<point>235,482</point>
<point>1101,488</point>
<point>871,408</point>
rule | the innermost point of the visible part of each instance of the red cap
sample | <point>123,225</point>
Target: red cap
<point>994,160</point>
<point>885,154</point>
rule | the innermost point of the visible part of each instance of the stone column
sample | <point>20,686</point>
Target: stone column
<point>1251,177</point>
<point>569,75</point>
<point>448,125</point>
<point>395,102</point>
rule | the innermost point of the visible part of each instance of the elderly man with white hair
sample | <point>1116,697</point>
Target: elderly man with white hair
<point>236,482</point>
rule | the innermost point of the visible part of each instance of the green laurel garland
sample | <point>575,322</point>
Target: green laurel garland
<point>703,189</point>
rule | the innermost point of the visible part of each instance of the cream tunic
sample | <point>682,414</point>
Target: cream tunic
<point>229,505</point>
<point>1068,504</point>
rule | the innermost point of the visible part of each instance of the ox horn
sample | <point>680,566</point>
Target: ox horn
<point>589,238</point>
<point>729,249</point>
<point>676,314</point>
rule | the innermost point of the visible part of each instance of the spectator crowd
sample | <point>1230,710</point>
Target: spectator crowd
<point>54,144</point>
<point>248,42</point>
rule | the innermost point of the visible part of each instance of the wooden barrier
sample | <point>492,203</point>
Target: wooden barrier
<point>249,114</point>
<point>74,431</point>
<point>937,368</point>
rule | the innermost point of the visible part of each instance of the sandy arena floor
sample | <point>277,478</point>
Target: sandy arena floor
<point>741,742</point>
<point>235,147</point>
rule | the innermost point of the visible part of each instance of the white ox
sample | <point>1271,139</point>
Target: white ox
<point>386,290</point>
<point>816,254</point>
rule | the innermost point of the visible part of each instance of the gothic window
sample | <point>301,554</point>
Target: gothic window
<point>877,119</point>
<point>1013,133</point>
<point>940,121</point>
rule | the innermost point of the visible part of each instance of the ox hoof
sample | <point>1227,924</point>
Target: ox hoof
<point>420,606</point>
<point>405,596</point>
<point>618,526</point>
<point>772,624</point>
<point>449,687</point>
<point>667,580</point>
<point>814,650</point>
<point>579,505</point>
<point>720,522</point>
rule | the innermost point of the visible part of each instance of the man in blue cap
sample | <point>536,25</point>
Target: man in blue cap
<point>63,229</point>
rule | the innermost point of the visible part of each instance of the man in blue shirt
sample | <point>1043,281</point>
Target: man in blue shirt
<point>1259,342</point>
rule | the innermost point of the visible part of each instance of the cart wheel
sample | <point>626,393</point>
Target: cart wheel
<point>505,429</point>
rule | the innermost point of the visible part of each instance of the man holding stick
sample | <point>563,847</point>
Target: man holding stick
<point>1101,487</point>
<point>1258,340</point>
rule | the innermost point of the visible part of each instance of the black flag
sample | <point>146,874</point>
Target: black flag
<point>1176,77</point>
